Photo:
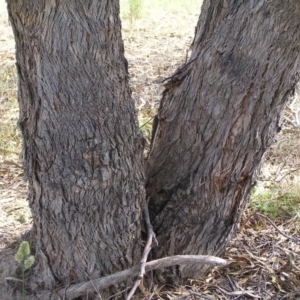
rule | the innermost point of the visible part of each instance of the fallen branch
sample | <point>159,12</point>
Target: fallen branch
<point>80,289</point>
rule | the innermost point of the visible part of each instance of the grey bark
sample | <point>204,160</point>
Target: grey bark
<point>82,147</point>
<point>219,114</point>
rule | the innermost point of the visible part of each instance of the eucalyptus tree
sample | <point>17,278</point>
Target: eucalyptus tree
<point>83,150</point>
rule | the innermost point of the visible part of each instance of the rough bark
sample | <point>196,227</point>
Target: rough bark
<point>219,114</point>
<point>82,148</point>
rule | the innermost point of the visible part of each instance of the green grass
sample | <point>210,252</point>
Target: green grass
<point>176,6</point>
<point>10,142</point>
<point>145,125</point>
<point>136,9</point>
<point>276,201</point>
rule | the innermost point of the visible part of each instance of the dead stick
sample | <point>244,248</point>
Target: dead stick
<point>80,289</point>
<point>146,252</point>
<point>200,295</point>
<point>273,224</point>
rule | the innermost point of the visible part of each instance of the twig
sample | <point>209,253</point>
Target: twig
<point>288,173</point>
<point>182,297</point>
<point>245,222</point>
<point>192,293</point>
<point>231,283</point>
<point>83,288</point>
<point>147,122</point>
<point>200,295</point>
<point>180,70</point>
<point>273,224</point>
<point>237,293</point>
<point>117,294</point>
<point>148,246</point>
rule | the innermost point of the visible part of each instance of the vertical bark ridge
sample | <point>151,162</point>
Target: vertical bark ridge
<point>82,146</point>
<point>216,122</point>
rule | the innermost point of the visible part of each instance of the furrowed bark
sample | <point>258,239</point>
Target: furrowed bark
<point>218,115</point>
<point>83,151</point>
<point>82,148</point>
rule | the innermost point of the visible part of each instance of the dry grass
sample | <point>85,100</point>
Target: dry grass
<point>9,137</point>
<point>263,261</point>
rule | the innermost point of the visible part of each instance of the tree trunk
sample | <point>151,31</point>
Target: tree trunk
<point>82,148</point>
<point>219,114</point>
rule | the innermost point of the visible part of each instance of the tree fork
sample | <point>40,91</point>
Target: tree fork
<point>82,148</point>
